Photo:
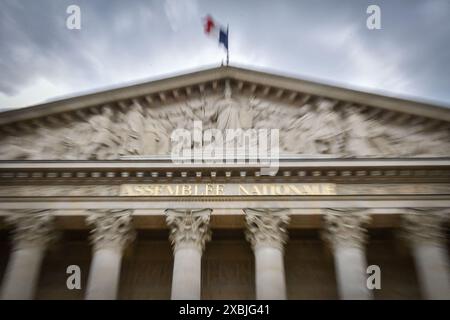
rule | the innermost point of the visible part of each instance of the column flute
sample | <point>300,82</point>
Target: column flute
<point>267,234</point>
<point>111,233</point>
<point>189,232</point>
<point>32,234</point>
<point>345,232</point>
<point>423,228</point>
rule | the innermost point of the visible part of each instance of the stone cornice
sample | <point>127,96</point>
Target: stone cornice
<point>110,96</point>
<point>163,170</point>
<point>211,79</point>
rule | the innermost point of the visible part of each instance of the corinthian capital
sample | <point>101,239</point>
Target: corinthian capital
<point>111,228</point>
<point>189,227</point>
<point>33,228</point>
<point>346,227</point>
<point>424,225</point>
<point>266,227</point>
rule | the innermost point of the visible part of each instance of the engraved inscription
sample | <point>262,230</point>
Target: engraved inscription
<point>257,189</point>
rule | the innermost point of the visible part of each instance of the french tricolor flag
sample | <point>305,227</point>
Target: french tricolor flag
<point>213,29</point>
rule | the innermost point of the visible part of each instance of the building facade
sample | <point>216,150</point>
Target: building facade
<point>357,208</point>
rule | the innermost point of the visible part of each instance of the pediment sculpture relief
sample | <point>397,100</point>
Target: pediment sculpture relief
<point>313,129</point>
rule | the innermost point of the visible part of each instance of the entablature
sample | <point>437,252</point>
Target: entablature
<point>162,170</point>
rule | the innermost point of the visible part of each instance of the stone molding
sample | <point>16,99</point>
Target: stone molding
<point>189,228</point>
<point>424,226</point>
<point>267,227</point>
<point>101,178</point>
<point>33,228</point>
<point>111,228</point>
<point>345,227</point>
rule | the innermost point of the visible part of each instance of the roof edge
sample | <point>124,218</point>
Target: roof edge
<point>424,109</point>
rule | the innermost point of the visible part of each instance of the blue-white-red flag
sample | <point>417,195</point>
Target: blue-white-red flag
<point>213,29</point>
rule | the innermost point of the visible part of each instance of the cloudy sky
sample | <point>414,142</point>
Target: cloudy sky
<point>131,41</point>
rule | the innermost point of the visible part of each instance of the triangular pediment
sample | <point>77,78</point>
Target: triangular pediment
<point>313,119</point>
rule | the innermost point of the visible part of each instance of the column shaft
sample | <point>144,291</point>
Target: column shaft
<point>351,265</point>
<point>346,234</point>
<point>423,228</point>
<point>104,275</point>
<point>22,273</point>
<point>112,232</point>
<point>266,232</point>
<point>270,277</point>
<point>186,280</point>
<point>433,270</point>
<point>32,234</point>
<point>189,232</point>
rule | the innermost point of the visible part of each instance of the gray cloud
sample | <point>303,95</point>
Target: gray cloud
<point>123,41</point>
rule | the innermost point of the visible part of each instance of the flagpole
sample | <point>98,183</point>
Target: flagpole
<point>228,45</point>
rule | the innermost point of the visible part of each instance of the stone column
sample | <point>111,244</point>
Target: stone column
<point>424,231</point>
<point>345,233</point>
<point>267,234</point>
<point>111,233</point>
<point>189,231</point>
<point>32,234</point>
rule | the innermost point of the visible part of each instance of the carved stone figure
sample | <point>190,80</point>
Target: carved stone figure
<point>298,135</point>
<point>358,134</point>
<point>155,139</point>
<point>310,129</point>
<point>327,130</point>
<point>164,121</point>
<point>13,148</point>
<point>246,113</point>
<point>78,134</point>
<point>198,110</point>
<point>227,116</point>
<point>102,140</point>
<point>134,133</point>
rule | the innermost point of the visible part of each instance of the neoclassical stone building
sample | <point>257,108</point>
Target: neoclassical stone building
<point>362,182</point>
